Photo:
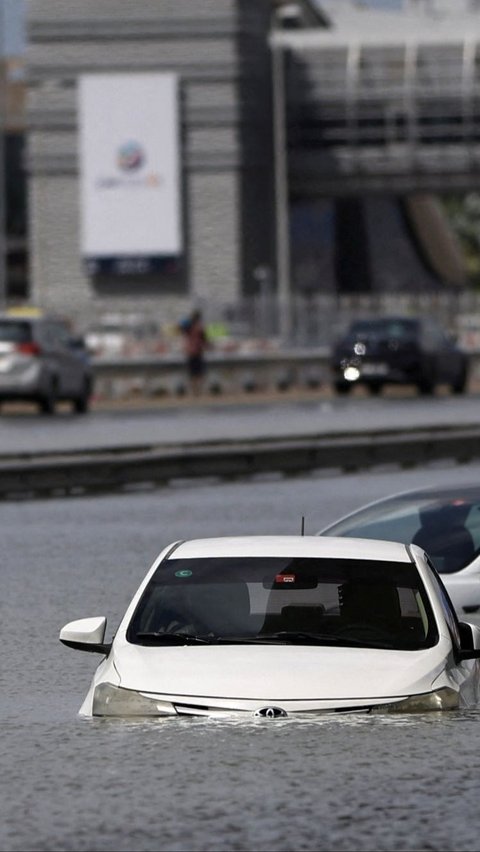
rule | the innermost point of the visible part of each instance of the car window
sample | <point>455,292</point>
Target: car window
<point>398,525</point>
<point>434,336</point>
<point>14,332</point>
<point>397,329</point>
<point>472,523</point>
<point>449,531</point>
<point>382,604</point>
<point>55,334</point>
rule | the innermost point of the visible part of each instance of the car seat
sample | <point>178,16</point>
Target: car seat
<point>371,605</point>
<point>217,608</point>
<point>221,608</point>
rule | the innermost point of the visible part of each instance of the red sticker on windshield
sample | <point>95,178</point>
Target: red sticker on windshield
<point>285,578</point>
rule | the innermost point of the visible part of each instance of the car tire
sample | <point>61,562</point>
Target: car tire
<point>460,384</point>
<point>81,404</point>
<point>375,388</point>
<point>426,383</point>
<point>343,387</point>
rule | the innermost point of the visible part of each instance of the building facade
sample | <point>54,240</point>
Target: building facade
<point>219,50</point>
<point>313,153</point>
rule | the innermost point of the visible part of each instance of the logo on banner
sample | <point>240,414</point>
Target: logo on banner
<point>130,156</point>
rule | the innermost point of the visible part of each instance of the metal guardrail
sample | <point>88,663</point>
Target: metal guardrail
<point>160,375</point>
<point>147,467</point>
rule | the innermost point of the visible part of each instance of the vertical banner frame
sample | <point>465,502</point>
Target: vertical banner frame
<point>130,172</point>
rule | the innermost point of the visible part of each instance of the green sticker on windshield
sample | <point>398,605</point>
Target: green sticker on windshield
<point>183,573</point>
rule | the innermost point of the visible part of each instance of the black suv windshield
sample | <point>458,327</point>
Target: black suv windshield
<point>271,599</point>
<point>392,329</point>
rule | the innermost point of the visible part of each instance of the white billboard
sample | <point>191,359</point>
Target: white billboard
<point>129,158</point>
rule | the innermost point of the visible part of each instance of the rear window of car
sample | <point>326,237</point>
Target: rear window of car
<point>15,332</point>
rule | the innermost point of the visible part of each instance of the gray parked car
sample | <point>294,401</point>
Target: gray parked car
<point>42,362</point>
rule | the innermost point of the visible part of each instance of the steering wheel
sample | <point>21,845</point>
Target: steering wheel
<point>362,630</point>
<point>177,622</point>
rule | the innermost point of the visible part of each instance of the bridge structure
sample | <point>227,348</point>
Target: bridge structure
<point>374,103</point>
<point>379,111</point>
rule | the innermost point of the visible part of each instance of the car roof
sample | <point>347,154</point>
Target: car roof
<point>292,546</point>
<point>440,495</point>
<point>444,493</point>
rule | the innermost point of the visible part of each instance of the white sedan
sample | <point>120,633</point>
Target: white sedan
<point>273,626</point>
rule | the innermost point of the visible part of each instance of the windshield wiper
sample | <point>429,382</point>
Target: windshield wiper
<point>286,636</point>
<point>304,638</point>
<point>160,638</point>
<point>301,637</point>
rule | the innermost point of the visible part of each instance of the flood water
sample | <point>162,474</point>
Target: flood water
<point>342,783</point>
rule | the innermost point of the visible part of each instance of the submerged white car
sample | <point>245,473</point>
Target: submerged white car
<point>274,626</point>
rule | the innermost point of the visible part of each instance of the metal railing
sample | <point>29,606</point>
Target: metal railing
<point>254,323</point>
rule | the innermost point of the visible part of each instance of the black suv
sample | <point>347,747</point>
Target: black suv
<point>42,362</point>
<point>398,350</point>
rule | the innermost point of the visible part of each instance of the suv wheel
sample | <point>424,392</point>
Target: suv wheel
<point>47,403</point>
<point>343,387</point>
<point>81,403</point>
<point>426,382</point>
<point>460,383</point>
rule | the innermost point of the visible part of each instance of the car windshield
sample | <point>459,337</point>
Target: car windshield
<point>270,600</point>
<point>394,329</point>
<point>447,529</point>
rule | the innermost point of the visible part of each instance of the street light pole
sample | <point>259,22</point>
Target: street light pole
<point>3,182</point>
<point>281,190</point>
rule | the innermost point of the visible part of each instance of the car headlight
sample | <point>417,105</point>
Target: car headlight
<point>351,374</point>
<point>440,699</point>
<point>110,700</point>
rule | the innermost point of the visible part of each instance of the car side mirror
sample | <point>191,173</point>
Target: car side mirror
<point>470,641</point>
<point>86,634</point>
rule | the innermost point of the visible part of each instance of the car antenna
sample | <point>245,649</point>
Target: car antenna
<point>303,525</point>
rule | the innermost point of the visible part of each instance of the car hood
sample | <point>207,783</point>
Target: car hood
<point>280,672</point>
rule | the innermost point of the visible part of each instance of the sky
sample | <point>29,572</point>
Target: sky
<point>12,15</point>
<point>12,36</point>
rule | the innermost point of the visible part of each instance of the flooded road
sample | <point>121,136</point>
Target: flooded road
<point>343,783</point>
